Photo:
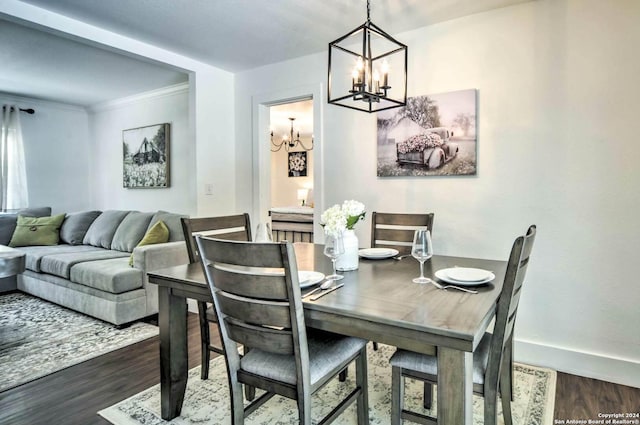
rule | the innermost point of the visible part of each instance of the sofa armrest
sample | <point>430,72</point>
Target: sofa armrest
<point>157,256</point>
<point>160,256</point>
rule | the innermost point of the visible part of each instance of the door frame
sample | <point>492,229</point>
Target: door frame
<point>261,196</point>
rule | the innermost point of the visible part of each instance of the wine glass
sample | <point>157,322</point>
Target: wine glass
<point>422,250</point>
<point>263,233</point>
<point>333,248</point>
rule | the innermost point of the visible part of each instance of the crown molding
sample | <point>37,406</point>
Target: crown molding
<point>149,95</point>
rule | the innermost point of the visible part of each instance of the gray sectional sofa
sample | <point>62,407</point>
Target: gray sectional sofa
<point>89,270</point>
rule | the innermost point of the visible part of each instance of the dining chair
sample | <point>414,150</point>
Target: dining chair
<point>492,360</point>
<point>258,303</point>
<point>392,230</point>
<point>232,227</point>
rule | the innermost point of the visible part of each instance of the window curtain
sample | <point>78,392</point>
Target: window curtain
<point>13,174</point>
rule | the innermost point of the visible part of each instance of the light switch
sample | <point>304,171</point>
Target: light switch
<point>208,189</point>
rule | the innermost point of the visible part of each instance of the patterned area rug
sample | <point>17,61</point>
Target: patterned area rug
<point>207,402</point>
<point>38,338</point>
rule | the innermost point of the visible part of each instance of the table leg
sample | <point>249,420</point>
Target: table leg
<point>455,387</point>
<point>172,319</point>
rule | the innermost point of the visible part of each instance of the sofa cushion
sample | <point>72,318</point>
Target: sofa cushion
<point>114,275</point>
<point>60,264</point>
<point>37,231</point>
<point>173,223</point>
<point>131,230</point>
<point>8,221</point>
<point>158,233</point>
<point>35,254</point>
<point>75,226</point>
<point>103,228</point>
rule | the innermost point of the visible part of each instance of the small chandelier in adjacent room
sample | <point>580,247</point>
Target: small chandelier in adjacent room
<point>289,142</point>
<point>367,69</point>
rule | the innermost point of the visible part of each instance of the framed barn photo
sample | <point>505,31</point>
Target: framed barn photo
<point>145,157</point>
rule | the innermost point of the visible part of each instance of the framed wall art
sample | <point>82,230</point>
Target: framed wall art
<point>297,164</point>
<point>433,135</point>
<point>145,156</point>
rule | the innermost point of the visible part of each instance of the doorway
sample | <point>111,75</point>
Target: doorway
<point>262,175</point>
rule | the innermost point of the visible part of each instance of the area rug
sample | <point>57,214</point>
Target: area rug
<point>207,402</point>
<point>38,338</point>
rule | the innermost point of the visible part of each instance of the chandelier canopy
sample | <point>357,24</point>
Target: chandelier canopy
<point>367,69</point>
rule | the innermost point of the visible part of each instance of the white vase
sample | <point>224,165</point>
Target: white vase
<point>348,260</point>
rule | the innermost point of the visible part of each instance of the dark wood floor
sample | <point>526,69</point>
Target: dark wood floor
<point>74,395</point>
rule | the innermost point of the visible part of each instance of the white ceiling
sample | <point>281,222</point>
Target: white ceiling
<point>233,35</point>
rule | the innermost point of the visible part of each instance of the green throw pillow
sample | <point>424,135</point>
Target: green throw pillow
<point>37,231</point>
<point>158,233</point>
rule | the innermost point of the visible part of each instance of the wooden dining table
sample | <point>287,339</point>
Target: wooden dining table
<point>378,302</point>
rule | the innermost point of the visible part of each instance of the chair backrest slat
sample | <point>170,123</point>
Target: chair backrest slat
<point>268,313</point>
<point>279,341</point>
<point>508,301</point>
<point>391,230</point>
<point>231,227</point>
<point>245,283</point>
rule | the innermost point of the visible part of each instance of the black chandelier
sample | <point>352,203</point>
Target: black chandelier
<point>378,64</point>
<point>289,142</point>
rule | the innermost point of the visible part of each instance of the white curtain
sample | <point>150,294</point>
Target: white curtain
<point>13,173</point>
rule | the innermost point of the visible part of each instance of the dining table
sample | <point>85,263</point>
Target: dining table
<point>378,302</point>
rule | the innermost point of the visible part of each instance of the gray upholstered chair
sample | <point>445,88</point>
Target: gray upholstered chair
<point>232,227</point>
<point>390,230</point>
<point>492,360</point>
<point>257,300</point>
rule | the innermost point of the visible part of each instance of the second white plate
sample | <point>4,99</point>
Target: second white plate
<point>309,278</point>
<point>377,253</point>
<point>443,275</point>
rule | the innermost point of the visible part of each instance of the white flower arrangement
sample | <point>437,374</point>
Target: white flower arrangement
<point>339,218</point>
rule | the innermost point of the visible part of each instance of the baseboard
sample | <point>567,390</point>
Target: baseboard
<point>591,365</point>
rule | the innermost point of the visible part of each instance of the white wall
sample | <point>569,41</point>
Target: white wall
<point>210,120</point>
<point>557,107</point>
<point>107,123</point>
<point>56,153</point>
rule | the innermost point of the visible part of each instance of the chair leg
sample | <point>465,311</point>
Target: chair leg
<point>428,396</point>
<point>506,396</point>
<point>362,382</point>
<point>510,365</point>
<point>205,339</point>
<point>237,404</point>
<point>397,395</point>
<point>304,409</point>
<point>490,406</point>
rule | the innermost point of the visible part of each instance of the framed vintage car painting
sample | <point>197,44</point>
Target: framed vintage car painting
<point>433,135</point>
<point>145,156</point>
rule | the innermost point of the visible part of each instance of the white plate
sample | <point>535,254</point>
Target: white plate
<point>444,276</point>
<point>467,274</point>
<point>377,253</point>
<point>308,278</point>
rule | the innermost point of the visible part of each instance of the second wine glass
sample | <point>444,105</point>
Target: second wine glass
<point>422,250</point>
<point>333,248</point>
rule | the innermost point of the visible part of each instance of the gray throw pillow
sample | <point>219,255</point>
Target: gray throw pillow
<point>75,226</point>
<point>173,223</point>
<point>8,221</point>
<point>103,228</point>
<point>130,232</point>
